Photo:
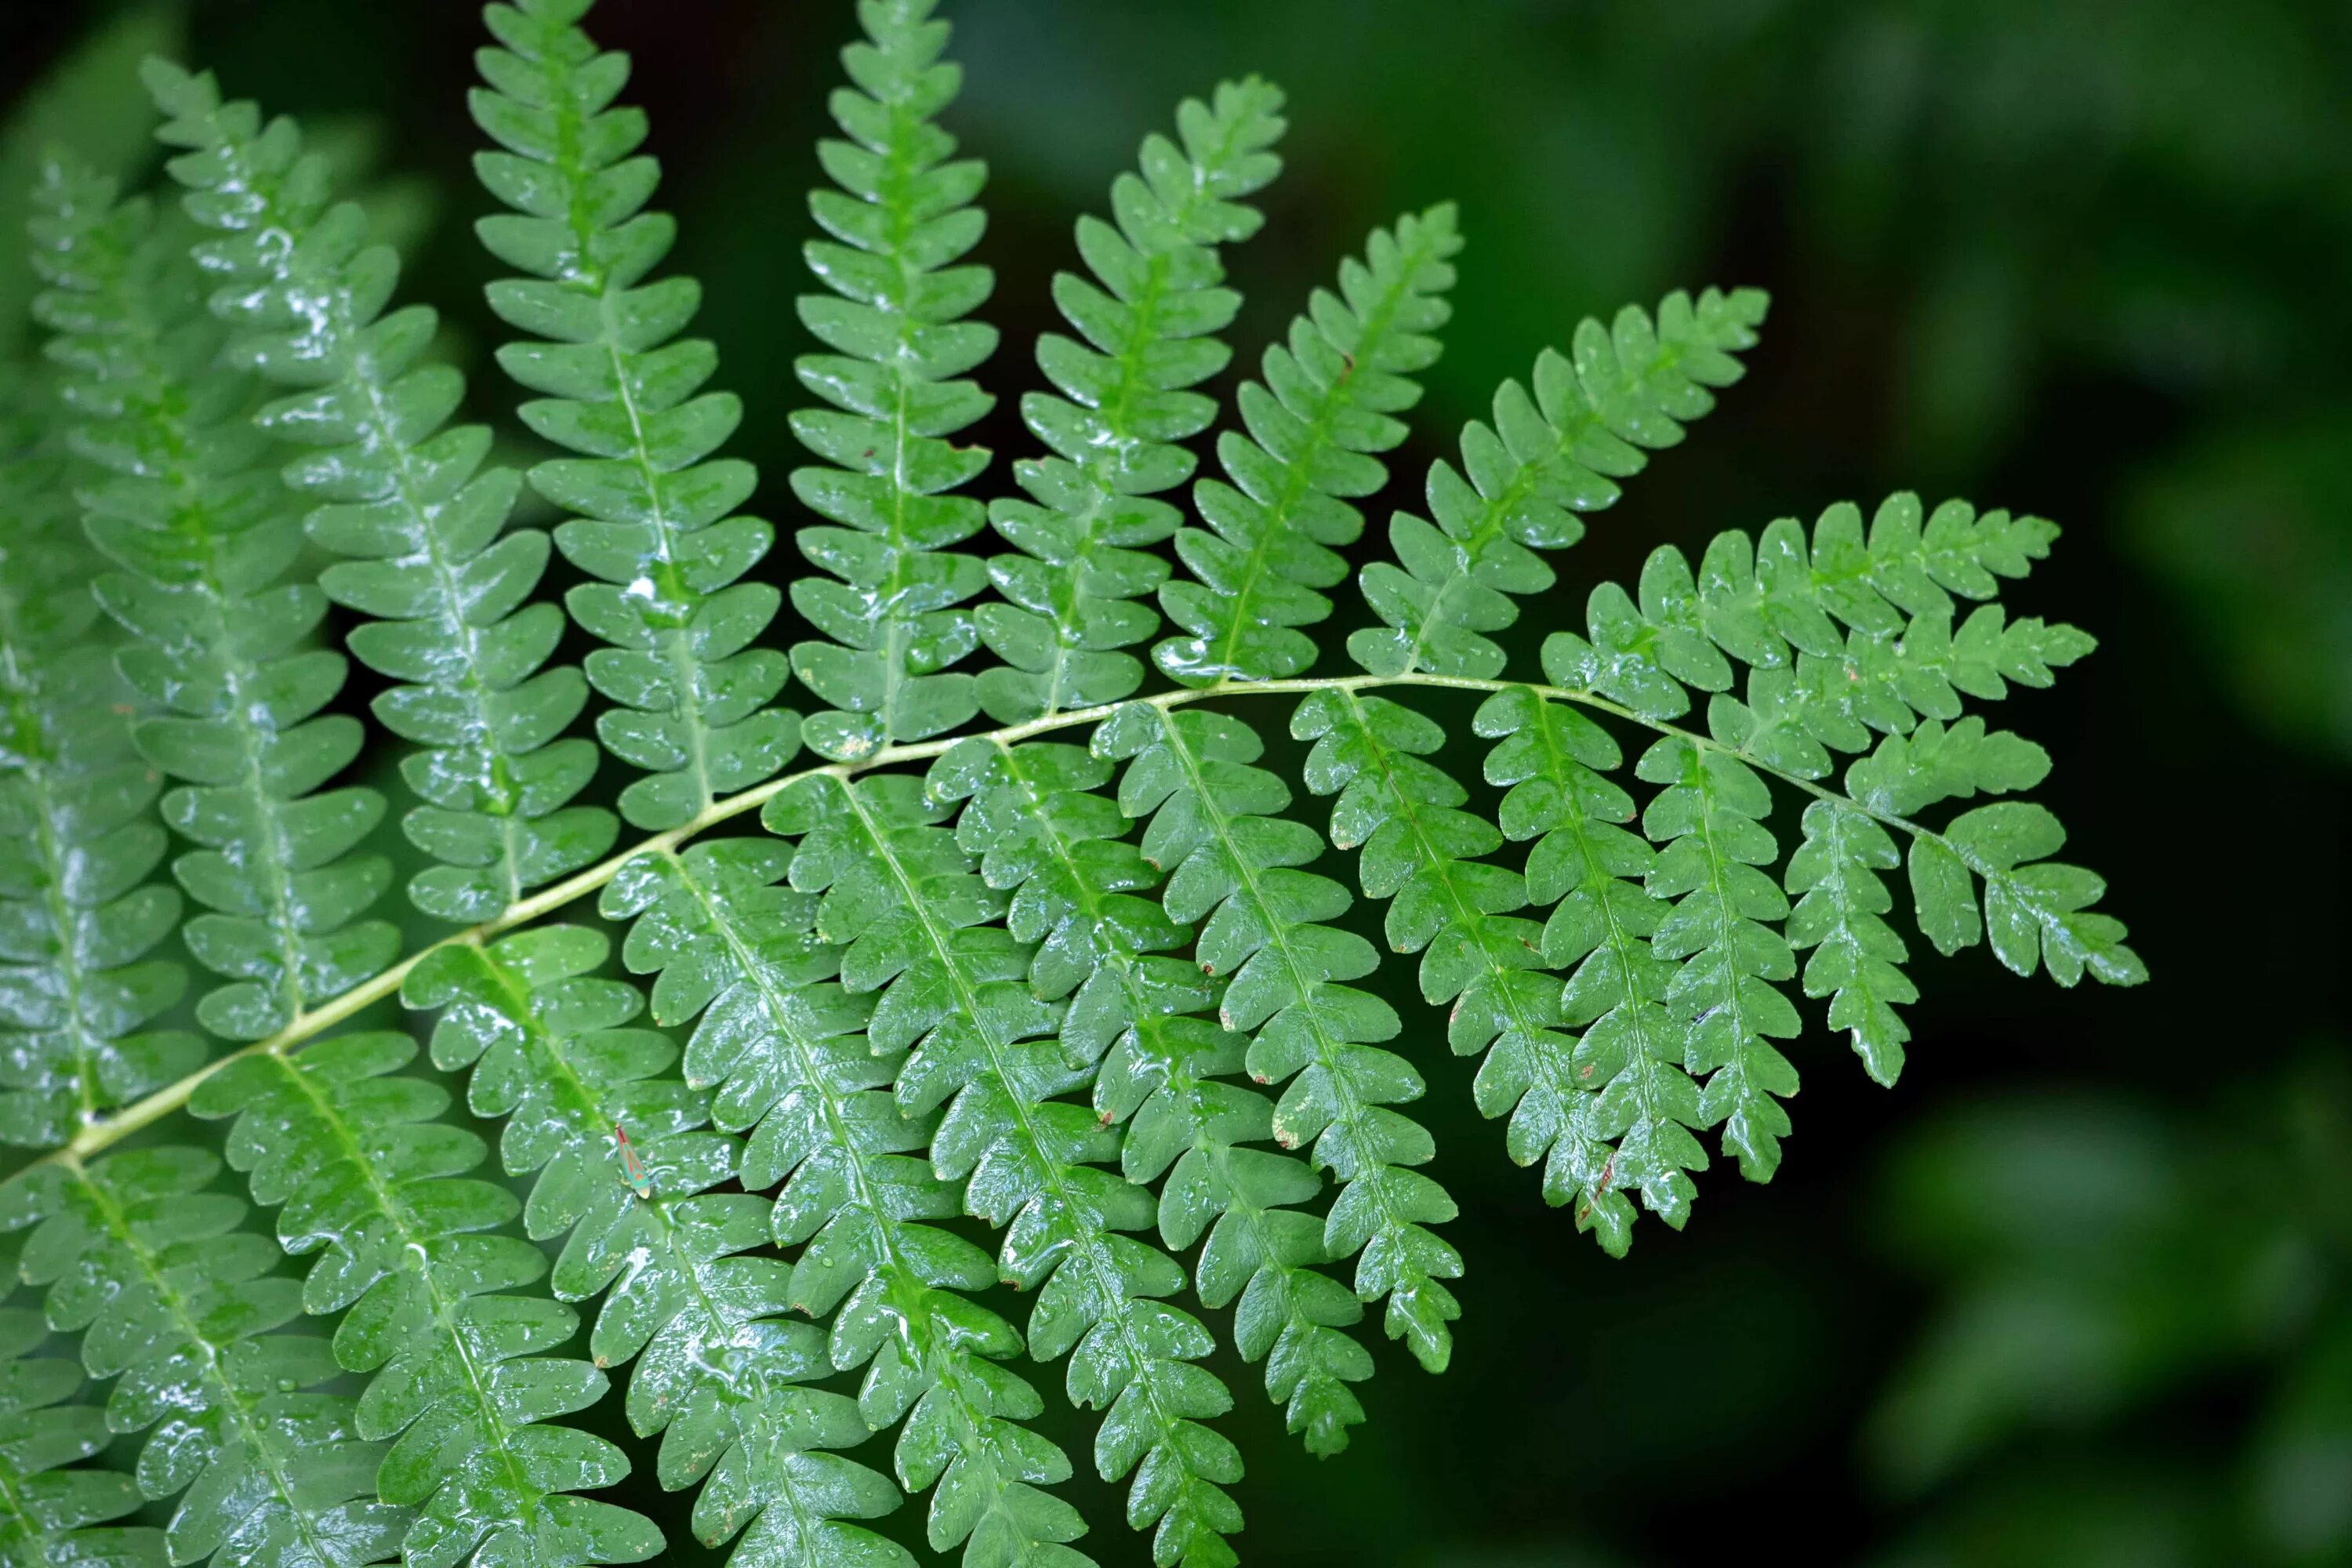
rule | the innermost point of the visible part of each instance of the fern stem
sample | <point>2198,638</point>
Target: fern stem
<point>104,1135</point>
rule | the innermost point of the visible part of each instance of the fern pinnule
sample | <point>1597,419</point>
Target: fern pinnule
<point>1125,404</point>
<point>415,1254</point>
<point>1328,403</point>
<point>200,532</point>
<point>80,914</point>
<point>716,1373</point>
<point>655,523</point>
<point>1708,820</point>
<point>406,504</point>
<point>783,1046</point>
<point>896,381</point>
<point>178,1305</point>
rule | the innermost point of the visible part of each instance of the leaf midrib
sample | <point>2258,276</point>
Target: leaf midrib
<point>104,1134</point>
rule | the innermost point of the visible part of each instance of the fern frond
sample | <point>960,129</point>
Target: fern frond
<point>49,1513</point>
<point>783,1044</point>
<point>1125,405</point>
<point>1232,864</point>
<point>975,993</point>
<point>901,349</point>
<point>1624,388</point>
<point>404,503</point>
<point>413,1254</point>
<point>78,910</point>
<point>717,1376</point>
<point>1329,401</point>
<point>655,523</point>
<point>920,926</point>
<point>179,1305</point>
<point>196,524</point>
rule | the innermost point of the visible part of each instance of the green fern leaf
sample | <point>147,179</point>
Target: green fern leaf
<point>49,1513</point>
<point>412,1253</point>
<point>1330,400</point>
<point>919,925</point>
<point>901,349</point>
<point>196,524</point>
<point>1722,999</point>
<point>1124,404</point>
<point>1623,1078</point>
<point>656,526</point>
<point>1895,669</point>
<point>1840,914</point>
<point>86,97</point>
<point>783,1044</point>
<point>1062,989</point>
<point>78,909</point>
<point>1054,846</point>
<point>1628,387</point>
<point>717,1374</point>
<point>1166,1080</point>
<point>178,1304</point>
<point>405,504</point>
<point>1232,863</point>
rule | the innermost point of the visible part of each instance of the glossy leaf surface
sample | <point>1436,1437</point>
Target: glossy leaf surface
<point>655,525</point>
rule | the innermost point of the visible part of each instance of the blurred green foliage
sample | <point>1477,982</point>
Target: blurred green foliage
<point>2105,1270</point>
<point>2082,1298</point>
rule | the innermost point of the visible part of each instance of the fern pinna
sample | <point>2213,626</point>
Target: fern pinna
<point>981,1049</point>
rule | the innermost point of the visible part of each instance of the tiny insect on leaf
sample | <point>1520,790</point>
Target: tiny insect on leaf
<point>632,1170</point>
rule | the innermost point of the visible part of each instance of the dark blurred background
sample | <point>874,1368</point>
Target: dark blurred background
<point>2079,1291</point>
